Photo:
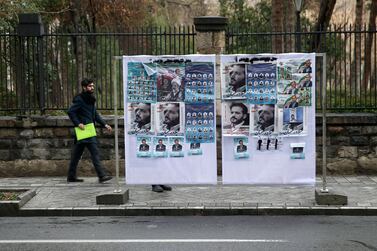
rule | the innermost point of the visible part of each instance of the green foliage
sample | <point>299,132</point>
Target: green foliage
<point>241,15</point>
<point>9,10</point>
<point>9,195</point>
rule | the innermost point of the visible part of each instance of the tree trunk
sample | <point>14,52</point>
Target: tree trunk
<point>324,17</point>
<point>77,41</point>
<point>289,25</point>
<point>277,25</point>
<point>355,69</point>
<point>369,43</point>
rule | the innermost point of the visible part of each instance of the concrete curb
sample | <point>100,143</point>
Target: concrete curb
<point>192,211</point>
<point>12,207</point>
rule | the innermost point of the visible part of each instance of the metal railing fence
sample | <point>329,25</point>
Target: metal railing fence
<point>39,74</point>
<point>351,59</point>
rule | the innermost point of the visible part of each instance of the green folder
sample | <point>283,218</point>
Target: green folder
<point>88,132</point>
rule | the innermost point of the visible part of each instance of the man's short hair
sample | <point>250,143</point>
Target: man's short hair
<point>175,104</point>
<point>244,108</point>
<point>86,81</point>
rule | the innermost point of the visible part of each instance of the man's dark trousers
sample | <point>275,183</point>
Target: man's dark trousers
<point>77,152</point>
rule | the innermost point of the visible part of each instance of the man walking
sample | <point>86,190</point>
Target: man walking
<point>82,112</point>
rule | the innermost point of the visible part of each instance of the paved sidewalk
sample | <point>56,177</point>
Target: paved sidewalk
<point>55,197</point>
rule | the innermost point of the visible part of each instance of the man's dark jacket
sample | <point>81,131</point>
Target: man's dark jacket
<point>84,111</point>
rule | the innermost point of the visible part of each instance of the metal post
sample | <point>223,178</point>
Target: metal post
<point>324,104</point>
<point>117,188</point>
<point>41,80</point>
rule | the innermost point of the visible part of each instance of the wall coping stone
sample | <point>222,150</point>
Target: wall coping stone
<point>63,121</point>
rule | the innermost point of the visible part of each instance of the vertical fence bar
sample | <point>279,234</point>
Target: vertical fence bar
<point>364,84</point>
<point>375,69</point>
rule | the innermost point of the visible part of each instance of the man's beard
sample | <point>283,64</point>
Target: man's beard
<point>88,98</point>
<point>171,123</point>
<point>141,122</point>
<point>235,121</point>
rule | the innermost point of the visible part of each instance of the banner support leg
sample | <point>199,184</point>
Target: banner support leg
<point>118,196</point>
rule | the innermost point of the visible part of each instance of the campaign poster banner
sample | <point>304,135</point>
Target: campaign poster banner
<point>140,118</point>
<point>236,118</point>
<point>261,83</point>
<point>200,121</point>
<point>162,145</point>
<point>144,149</point>
<point>176,147</point>
<point>141,86</point>
<point>233,80</point>
<point>292,122</point>
<point>294,82</point>
<point>170,82</point>
<point>241,145</point>
<point>170,118</point>
<point>263,119</point>
<point>195,149</point>
<point>280,135</point>
<point>199,83</point>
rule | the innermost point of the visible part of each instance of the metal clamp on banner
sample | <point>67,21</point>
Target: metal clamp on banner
<point>253,59</point>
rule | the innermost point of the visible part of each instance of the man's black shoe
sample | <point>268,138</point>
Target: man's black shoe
<point>104,178</point>
<point>166,188</point>
<point>157,189</point>
<point>74,180</point>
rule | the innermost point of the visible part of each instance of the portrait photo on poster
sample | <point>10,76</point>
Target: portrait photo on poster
<point>160,146</point>
<point>141,84</point>
<point>195,149</point>
<point>241,150</point>
<point>292,121</point>
<point>170,82</point>
<point>298,150</point>
<point>287,67</point>
<point>144,146</point>
<point>263,119</point>
<point>176,147</point>
<point>302,98</point>
<point>140,118</point>
<point>233,81</point>
<point>236,118</point>
<point>170,118</point>
<point>295,92</point>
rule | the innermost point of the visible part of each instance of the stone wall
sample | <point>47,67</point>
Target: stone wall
<point>41,146</point>
<point>351,144</point>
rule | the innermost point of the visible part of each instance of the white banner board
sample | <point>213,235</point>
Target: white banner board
<point>268,118</point>
<point>170,119</point>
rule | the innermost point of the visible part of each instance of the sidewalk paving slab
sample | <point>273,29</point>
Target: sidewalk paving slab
<point>55,197</point>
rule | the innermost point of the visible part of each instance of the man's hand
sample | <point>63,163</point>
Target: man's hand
<point>109,128</point>
<point>81,126</point>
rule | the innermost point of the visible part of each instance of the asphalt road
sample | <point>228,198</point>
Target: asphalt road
<point>190,233</point>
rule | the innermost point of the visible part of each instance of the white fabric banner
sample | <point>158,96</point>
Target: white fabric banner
<point>268,118</point>
<point>170,119</point>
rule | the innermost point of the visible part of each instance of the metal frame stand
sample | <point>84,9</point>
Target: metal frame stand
<point>324,196</point>
<point>118,196</point>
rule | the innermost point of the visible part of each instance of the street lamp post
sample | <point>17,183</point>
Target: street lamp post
<point>298,5</point>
